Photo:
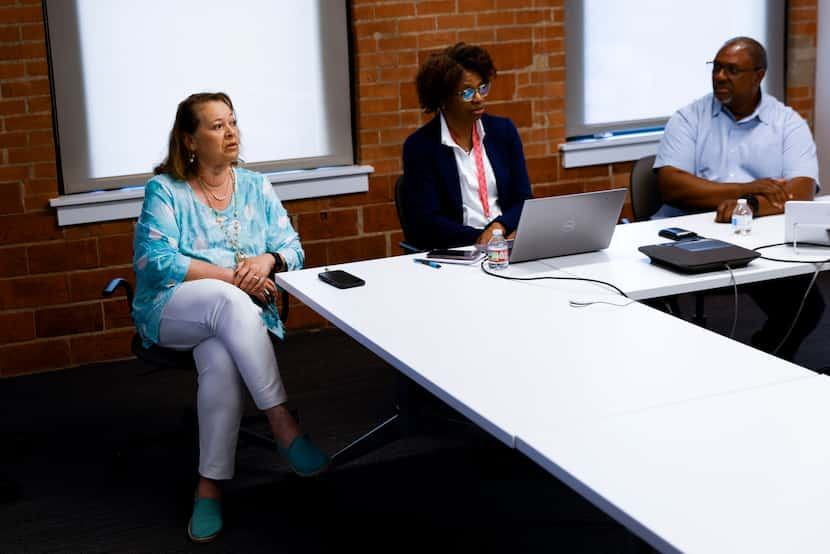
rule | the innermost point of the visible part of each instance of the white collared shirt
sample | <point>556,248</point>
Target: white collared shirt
<point>468,179</point>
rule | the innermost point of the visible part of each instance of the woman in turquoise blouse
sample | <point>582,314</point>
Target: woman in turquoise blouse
<point>209,236</point>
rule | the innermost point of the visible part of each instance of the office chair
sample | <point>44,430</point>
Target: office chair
<point>399,206</point>
<point>645,191</point>
<point>645,201</point>
<point>160,358</point>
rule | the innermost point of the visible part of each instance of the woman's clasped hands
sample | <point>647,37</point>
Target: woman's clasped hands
<point>251,275</point>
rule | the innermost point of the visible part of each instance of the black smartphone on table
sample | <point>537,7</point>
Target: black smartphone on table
<point>676,233</point>
<point>341,279</point>
<point>454,254</point>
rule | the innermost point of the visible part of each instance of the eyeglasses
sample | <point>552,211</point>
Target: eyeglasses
<point>468,93</point>
<point>731,69</point>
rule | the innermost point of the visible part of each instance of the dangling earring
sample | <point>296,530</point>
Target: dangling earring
<point>192,159</point>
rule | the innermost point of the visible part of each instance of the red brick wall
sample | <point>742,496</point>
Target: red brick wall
<point>801,56</point>
<point>50,277</point>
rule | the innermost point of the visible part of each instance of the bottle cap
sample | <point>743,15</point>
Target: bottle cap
<point>742,201</point>
<point>499,232</point>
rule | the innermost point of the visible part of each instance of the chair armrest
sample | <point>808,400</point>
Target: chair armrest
<point>113,285</point>
<point>283,309</point>
<point>409,248</point>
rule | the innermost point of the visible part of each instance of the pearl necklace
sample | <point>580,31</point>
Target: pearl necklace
<point>234,227</point>
<point>207,189</point>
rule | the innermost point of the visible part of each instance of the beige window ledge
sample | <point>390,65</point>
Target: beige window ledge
<point>91,207</point>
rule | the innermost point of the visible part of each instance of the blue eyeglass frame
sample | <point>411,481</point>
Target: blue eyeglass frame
<point>468,93</point>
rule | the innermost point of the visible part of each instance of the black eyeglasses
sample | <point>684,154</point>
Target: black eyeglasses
<point>468,93</point>
<point>731,69</point>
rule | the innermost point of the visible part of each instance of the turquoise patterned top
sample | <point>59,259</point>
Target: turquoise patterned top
<point>175,227</point>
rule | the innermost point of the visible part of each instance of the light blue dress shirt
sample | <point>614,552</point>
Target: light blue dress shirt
<point>175,227</point>
<point>704,139</point>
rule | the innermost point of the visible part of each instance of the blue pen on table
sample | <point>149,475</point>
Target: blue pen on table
<point>430,263</point>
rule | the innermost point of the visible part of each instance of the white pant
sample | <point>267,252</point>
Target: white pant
<point>231,346</point>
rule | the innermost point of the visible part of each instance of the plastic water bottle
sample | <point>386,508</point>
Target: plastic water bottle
<point>497,252</point>
<point>742,218</point>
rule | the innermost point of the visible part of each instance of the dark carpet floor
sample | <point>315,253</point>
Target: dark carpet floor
<point>102,459</point>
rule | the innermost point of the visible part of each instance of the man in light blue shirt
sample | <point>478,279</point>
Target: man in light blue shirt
<point>740,143</point>
<point>736,142</point>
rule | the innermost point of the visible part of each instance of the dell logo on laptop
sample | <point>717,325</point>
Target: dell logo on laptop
<point>568,225</point>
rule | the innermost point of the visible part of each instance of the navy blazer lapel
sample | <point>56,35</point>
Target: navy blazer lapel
<point>449,173</point>
<point>445,159</point>
<point>494,155</point>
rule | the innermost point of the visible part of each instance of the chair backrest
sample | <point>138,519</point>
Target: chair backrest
<point>645,192</point>
<point>399,203</point>
<point>399,206</point>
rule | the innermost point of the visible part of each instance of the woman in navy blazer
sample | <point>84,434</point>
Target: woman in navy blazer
<point>443,201</point>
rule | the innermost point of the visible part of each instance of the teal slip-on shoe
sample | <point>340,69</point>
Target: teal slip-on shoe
<point>206,521</point>
<point>305,459</point>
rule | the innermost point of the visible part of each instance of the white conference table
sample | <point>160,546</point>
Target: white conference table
<point>622,264</point>
<point>520,362</point>
<point>739,472</point>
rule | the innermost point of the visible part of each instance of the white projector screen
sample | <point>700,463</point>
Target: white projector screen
<point>120,67</point>
<point>631,64</point>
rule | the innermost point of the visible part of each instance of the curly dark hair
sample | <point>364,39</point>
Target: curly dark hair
<point>177,163</point>
<point>441,73</point>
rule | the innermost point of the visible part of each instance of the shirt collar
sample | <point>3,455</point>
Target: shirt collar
<point>446,137</point>
<point>761,110</point>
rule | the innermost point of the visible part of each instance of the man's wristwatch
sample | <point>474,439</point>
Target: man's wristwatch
<point>752,200</point>
<point>278,263</point>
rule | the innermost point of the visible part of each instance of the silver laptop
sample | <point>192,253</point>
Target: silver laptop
<point>569,224</point>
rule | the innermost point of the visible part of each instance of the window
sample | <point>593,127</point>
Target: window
<point>120,67</point>
<point>631,64</point>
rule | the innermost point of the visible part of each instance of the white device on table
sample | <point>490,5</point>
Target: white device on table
<point>807,221</point>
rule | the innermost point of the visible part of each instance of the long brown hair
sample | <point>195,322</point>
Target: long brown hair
<point>177,163</point>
